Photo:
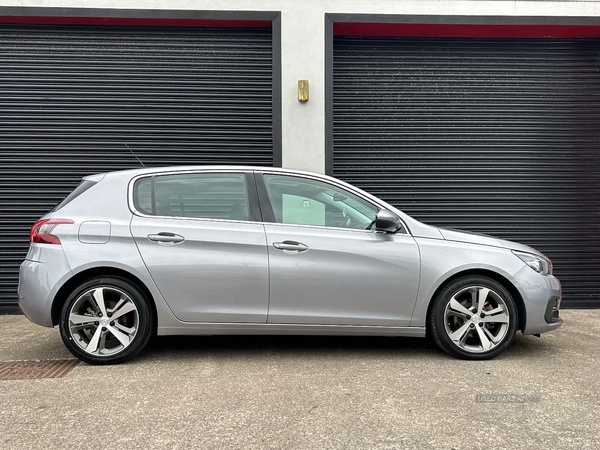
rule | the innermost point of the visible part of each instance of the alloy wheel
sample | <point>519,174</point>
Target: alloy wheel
<point>103,321</point>
<point>476,319</point>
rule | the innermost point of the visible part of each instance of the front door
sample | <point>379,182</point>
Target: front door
<point>327,265</point>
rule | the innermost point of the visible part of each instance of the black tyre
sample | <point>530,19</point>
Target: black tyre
<point>106,320</point>
<point>473,317</point>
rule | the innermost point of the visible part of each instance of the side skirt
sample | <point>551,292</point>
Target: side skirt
<point>288,329</point>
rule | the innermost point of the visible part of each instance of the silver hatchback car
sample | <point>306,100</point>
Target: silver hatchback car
<point>247,250</point>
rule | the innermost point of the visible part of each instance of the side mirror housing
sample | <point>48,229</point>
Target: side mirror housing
<point>387,221</point>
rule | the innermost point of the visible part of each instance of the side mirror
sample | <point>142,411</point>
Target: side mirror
<point>387,221</point>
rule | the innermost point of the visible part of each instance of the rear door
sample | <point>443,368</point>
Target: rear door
<point>200,235</point>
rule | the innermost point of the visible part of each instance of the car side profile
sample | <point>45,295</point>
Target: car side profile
<point>216,250</point>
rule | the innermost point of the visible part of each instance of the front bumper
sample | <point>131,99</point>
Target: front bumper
<point>542,295</point>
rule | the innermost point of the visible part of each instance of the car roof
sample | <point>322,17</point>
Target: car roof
<point>149,170</point>
<point>174,169</point>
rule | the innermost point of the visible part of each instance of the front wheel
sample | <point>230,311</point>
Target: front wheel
<point>106,320</point>
<point>473,317</point>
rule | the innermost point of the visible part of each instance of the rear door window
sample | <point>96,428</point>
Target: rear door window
<point>220,196</point>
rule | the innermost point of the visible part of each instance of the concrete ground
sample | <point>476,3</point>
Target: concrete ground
<point>308,393</point>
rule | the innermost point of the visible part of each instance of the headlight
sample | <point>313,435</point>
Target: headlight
<point>536,262</point>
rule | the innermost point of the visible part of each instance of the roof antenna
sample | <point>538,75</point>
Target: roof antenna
<point>135,155</point>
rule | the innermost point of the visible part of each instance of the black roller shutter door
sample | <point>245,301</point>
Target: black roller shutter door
<point>488,135</point>
<point>73,97</point>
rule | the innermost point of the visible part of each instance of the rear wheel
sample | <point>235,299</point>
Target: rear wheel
<point>473,317</point>
<point>106,320</point>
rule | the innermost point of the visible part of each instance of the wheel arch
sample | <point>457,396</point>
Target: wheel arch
<point>64,291</point>
<point>508,285</point>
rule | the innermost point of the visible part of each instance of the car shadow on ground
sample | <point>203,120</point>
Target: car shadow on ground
<point>286,345</point>
<point>289,346</point>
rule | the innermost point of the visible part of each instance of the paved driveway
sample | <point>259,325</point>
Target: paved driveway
<point>308,393</point>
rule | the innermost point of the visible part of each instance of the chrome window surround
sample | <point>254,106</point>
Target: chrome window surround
<point>379,204</point>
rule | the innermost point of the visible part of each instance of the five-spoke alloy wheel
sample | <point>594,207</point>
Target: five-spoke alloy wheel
<point>473,317</point>
<point>106,321</point>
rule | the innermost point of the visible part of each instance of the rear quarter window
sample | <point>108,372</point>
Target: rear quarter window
<point>142,196</point>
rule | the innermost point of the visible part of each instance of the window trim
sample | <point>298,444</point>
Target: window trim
<point>254,212</point>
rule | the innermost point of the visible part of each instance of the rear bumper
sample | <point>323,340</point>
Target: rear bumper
<point>40,278</point>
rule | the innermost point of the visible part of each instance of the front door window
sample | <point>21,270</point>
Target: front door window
<point>303,201</point>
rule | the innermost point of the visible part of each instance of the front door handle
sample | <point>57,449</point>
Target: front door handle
<point>166,238</point>
<point>290,246</point>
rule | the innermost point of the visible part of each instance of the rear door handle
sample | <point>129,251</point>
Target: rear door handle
<point>290,246</point>
<point>166,238</point>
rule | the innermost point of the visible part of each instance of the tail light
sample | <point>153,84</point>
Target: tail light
<point>41,232</point>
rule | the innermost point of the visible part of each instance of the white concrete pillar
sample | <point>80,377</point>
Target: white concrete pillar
<point>302,54</point>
